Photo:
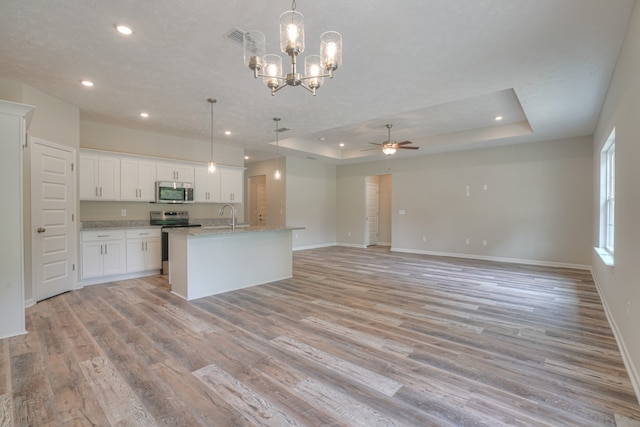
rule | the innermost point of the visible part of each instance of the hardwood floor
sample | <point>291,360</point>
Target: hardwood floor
<point>361,337</point>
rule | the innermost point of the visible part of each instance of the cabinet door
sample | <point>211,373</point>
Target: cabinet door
<point>135,255</point>
<point>129,179</point>
<point>165,171</point>
<point>184,173</point>
<point>91,259</point>
<point>88,177</point>
<point>146,180</point>
<point>109,178</point>
<point>114,259</point>
<point>201,185</point>
<point>231,185</point>
<point>153,254</point>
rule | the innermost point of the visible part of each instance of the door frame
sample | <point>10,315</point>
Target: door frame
<point>73,239</point>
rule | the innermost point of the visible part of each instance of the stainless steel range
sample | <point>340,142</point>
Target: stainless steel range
<point>169,219</point>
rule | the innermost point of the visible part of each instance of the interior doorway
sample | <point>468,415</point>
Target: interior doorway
<point>53,205</point>
<point>258,200</point>
<point>378,210</point>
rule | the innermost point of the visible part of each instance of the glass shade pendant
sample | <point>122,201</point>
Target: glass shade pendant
<point>211,168</point>
<point>292,42</point>
<point>276,175</point>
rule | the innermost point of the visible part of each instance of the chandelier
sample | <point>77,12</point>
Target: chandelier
<point>269,67</point>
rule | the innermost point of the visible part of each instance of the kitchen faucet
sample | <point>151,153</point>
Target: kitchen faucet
<point>233,215</point>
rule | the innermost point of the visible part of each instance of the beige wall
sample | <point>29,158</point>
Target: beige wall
<point>54,121</point>
<point>384,231</point>
<point>536,206</point>
<point>113,138</point>
<point>311,202</point>
<point>620,285</point>
<point>276,190</point>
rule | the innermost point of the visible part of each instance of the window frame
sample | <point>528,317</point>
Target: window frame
<point>607,195</point>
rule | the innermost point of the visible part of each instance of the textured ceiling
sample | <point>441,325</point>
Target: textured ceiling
<point>438,70</point>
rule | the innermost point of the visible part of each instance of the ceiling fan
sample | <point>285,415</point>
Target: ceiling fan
<point>389,147</point>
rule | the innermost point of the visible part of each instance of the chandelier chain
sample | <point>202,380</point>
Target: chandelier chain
<point>293,5</point>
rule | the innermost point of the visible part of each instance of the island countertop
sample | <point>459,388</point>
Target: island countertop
<point>225,230</point>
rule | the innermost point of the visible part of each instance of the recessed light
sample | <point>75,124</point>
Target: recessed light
<point>124,30</point>
<point>321,138</point>
<point>227,132</point>
<point>144,115</point>
<point>342,144</point>
<point>246,157</point>
<point>498,118</point>
<point>87,83</point>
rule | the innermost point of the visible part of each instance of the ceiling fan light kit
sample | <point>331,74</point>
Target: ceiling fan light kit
<point>389,148</point>
<point>269,66</point>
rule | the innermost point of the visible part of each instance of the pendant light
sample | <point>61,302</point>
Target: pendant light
<point>212,164</point>
<point>277,175</point>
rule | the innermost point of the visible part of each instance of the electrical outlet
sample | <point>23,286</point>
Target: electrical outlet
<point>484,243</point>
<point>401,212</point>
<point>123,212</point>
<point>349,234</point>
<point>467,241</point>
<point>628,306</point>
<point>424,238</point>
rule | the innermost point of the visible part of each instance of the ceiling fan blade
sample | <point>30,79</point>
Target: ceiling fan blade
<point>408,148</point>
<point>375,143</point>
<point>370,149</point>
<point>404,143</point>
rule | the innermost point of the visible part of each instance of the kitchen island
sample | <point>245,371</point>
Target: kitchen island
<point>211,260</point>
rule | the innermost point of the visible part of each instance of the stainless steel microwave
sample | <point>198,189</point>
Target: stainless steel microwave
<point>174,192</point>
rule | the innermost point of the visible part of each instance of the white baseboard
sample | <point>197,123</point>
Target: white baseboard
<point>496,259</point>
<point>626,357</point>
<point>107,279</point>
<point>28,303</point>
<point>350,245</point>
<point>302,248</point>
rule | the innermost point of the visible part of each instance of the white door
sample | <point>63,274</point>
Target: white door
<point>371,221</point>
<point>53,204</point>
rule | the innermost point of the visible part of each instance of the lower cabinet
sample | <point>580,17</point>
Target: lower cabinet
<point>144,250</point>
<point>112,255</point>
<point>103,253</point>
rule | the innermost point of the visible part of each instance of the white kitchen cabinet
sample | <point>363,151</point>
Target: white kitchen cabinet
<point>99,176</point>
<point>231,184</point>
<point>103,253</point>
<point>206,185</point>
<point>144,250</point>
<point>137,179</point>
<point>174,171</point>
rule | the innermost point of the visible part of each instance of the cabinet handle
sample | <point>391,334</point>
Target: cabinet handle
<point>144,234</point>
<point>142,246</point>
<point>103,235</point>
<point>101,250</point>
<point>105,249</point>
<point>100,191</point>
<point>146,248</point>
<point>96,191</point>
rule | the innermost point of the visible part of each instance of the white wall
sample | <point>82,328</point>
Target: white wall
<point>620,285</point>
<point>311,202</point>
<point>537,206</point>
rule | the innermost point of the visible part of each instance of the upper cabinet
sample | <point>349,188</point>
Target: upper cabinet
<point>206,185</point>
<point>138,177</point>
<point>231,184</point>
<point>99,176</point>
<point>175,171</point>
<point>132,178</point>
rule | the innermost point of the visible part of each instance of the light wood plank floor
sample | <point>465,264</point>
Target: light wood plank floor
<point>358,337</point>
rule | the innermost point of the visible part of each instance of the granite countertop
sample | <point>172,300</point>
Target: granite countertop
<point>144,223</point>
<point>218,230</point>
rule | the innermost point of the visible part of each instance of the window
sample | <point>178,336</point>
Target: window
<point>607,194</point>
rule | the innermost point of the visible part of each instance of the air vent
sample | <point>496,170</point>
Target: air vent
<point>235,35</point>
<point>311,158</point>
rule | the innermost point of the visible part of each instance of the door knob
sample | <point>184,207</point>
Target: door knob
<point>41,230</point>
